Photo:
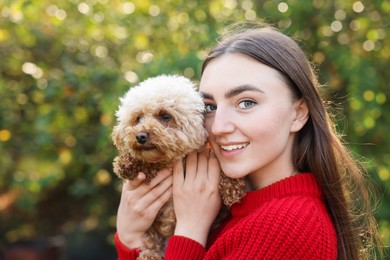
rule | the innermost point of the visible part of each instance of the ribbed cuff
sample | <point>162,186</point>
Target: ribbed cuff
<point>180,247</point>
<point>125,253</point>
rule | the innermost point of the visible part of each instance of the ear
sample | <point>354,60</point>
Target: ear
<point>301,115</point>
<point>116,137</point>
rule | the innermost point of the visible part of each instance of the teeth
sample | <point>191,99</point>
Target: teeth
<point>233,147</point>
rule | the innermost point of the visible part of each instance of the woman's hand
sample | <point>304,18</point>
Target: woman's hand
<point>196,196</point>
<point>139,206</point>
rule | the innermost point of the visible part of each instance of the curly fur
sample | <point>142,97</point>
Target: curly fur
<point>159,122</point>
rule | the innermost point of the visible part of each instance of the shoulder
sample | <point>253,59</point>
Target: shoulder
<point>294,227</point>
<point>293,214</point>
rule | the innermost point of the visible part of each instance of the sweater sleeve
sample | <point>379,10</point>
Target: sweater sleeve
<point>180,247</point>
<point>297,228</point>
<point>125,253</point>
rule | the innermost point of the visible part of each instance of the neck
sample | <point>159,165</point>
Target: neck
<point>256,181</point>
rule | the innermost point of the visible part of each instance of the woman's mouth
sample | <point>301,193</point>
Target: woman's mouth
<point>233,147</point>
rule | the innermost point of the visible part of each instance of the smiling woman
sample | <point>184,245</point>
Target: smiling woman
<point>267,123</point>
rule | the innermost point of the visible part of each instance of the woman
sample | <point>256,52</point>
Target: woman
<point>267,123</point>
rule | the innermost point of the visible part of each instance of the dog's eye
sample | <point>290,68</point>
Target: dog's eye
<point>165,117</point>
<point>138,119</point>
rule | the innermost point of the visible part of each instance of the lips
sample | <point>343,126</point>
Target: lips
<point>233,147</point>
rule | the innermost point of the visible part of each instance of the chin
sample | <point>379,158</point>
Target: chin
<point>234,172</point>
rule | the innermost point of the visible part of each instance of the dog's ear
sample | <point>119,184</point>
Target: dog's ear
<point>195,131</point>
<point>117,138</point>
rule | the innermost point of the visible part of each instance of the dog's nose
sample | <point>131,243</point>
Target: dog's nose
<point>142,137</point>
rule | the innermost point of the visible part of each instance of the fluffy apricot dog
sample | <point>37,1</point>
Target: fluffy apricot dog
<point>160,121</point>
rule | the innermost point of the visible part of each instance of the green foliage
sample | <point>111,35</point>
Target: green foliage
<point>64,64</point>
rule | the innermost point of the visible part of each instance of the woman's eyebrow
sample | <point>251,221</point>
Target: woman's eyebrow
<point>242,88</point>
<point>233,92</point>
<point>206,96</point>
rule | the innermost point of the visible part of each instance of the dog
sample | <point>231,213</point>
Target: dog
<point>159,122</point>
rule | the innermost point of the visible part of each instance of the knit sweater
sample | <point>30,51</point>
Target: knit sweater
<point>286,220</point>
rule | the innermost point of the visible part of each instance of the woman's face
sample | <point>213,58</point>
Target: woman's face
<point>251,117</point>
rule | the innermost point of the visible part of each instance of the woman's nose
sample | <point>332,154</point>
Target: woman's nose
<point>222,123</point>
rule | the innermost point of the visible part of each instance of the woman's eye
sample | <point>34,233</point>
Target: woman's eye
<point>210,108</point>
<point>246,104</point>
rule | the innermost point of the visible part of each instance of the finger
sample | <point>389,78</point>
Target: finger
<point>214,169</point>
<point>202,164</point>
<point>161,200</point>
<point>155,193</point>
<point>133,184</point>
<point>178,174</point>
<point>191,166</point>
<point>136,188</point>
<point>161,175</point>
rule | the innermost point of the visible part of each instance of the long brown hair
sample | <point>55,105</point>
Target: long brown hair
<point>318,148</point>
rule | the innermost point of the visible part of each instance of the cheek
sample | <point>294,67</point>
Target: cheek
<point>279,114</point>
<point>208,122</point>
<point>267,126</point>
<point>274,126</point>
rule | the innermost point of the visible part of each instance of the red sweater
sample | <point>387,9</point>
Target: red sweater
<point>286,220</point>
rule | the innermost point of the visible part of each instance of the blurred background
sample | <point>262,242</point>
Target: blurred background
<point>64,64</point>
